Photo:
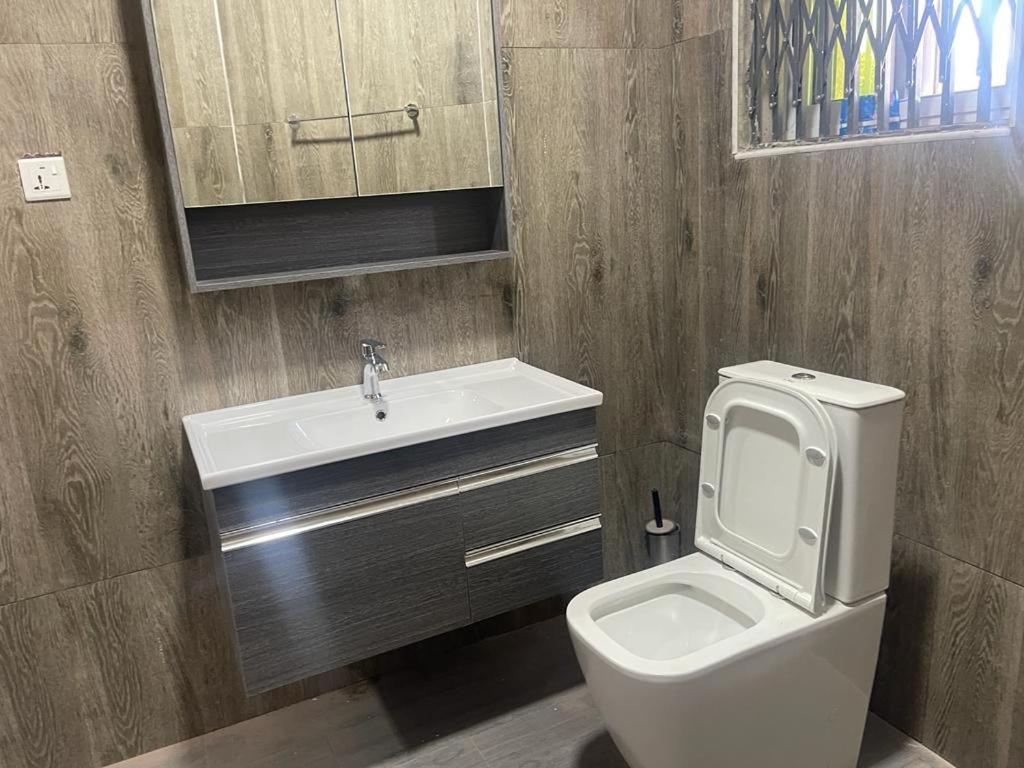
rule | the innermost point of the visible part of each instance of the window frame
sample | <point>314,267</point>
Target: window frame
<point>1013,93</point>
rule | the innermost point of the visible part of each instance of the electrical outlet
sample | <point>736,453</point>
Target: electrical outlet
<point>44,178</point>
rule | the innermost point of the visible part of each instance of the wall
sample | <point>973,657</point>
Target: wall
<point>646,258</point>
<point>110,643</point>
<point>109,640</point>
<point>901,265</point>
<point>589,112</point>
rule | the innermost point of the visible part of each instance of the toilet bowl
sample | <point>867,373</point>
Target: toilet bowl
<point>760,648</point>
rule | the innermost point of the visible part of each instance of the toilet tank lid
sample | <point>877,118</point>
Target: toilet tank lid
<point>823,387</point>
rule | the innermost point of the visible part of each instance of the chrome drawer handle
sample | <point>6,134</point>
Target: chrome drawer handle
<point>526,468</point>
<point>532,541</point>
<point>275,530</point>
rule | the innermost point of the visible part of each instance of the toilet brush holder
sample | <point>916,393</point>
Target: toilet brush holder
<point>664,542</point>
<point>664,539</point>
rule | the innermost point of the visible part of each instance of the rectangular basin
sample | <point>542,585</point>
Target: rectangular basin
<point>251,442</point>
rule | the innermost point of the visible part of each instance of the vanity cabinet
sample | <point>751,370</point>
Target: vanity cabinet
<point>326,566</point>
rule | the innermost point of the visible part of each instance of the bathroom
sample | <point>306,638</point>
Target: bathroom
<point>630,228</point>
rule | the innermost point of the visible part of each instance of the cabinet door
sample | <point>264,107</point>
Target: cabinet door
<point>560,561</point>
<point>316,599</point>
<point>535,498</point>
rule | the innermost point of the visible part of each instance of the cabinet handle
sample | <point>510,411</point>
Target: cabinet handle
<point>378,505</point>
<point>343,513</point>
<point>532,541</point>
<point>526,468</point>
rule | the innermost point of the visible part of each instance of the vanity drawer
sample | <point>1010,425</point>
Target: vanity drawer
<point>562,560</point>
<point>313,599</point>
<point>532,496</point>
<point>297,493</point>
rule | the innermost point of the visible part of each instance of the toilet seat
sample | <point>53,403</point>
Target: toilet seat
<point>766,487</point>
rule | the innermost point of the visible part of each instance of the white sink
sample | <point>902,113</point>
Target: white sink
<point>249,442</point>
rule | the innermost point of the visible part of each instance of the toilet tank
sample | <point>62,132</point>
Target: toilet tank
<point>867,420</point>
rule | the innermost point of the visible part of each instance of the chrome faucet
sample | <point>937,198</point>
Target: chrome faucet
<point>375,365</point>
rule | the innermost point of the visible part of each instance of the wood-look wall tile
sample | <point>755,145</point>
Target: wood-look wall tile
<point>238,355</point>
<point>52,22</point>
<point>959,352</point>
<point>951,657</point>
<point>191,63</point>
<point>900,693</point>
<point>696,18</point>
<point>446,148</point>
<point>207,165</point>
<point>586,24</point>
<point>978,634</point>
<point>682,281</point>
<point>723,285</point>
<point>75,353</point>
<point>448,317</point>
<point>15,496</point>
<point>282,59</point>
<point>589,218</point>
<point>109,670</point>
<point>281,163</point>
<point>567,197</point>
<point>627,479</point>
<point>40,715</point>
<point>640,332</point>
<point>433,54</point>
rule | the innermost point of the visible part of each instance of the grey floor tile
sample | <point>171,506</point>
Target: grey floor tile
<point>187,754</point>
<point>452,752</point>
<point>562,730</point>
<point>886,747</point>
<point>515,701</point>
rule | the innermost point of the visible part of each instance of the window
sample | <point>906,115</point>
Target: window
<point>818,72</point>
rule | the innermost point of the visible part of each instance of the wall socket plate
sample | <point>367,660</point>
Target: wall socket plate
<point>44,178</point>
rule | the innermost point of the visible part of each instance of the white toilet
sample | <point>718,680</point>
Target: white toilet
<point>759,650</point>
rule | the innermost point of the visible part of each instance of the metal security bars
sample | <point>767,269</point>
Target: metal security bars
<point>825,70</point>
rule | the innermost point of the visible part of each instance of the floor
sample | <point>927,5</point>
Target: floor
<point>513,701</point>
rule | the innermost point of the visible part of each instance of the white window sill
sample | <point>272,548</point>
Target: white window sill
<point>859,142</point>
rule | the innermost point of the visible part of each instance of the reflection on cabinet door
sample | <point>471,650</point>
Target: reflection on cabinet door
<point>452,147</point>
<point>282,58</point>
<point>436,54</point>
<point>439,56</point>
<point>320,599</point>
<point>312,160</point>
<point>234,72</point>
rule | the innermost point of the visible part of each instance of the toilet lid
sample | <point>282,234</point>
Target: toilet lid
<point>766,481</point>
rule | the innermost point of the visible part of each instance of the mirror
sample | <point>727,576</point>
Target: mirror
<point>286,100</point>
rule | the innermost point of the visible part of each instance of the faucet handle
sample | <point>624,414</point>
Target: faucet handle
<point>370,347</point>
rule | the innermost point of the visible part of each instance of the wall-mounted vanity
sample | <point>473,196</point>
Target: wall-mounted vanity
<point>338,535</point>
<point>318,138</point>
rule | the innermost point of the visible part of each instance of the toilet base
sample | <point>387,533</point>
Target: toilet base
<point>798,700</point>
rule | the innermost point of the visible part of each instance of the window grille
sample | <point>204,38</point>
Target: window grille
<point>823,70</point>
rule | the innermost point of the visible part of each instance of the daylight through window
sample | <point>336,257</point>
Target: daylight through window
<point>826,70</point>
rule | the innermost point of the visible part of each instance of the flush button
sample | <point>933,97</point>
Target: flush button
<point>816,456</point>
<point>713,420</point>
<point>707,489</point>
<point>802,376</point>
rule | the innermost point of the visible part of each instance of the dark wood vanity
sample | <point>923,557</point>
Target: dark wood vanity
<point>329,565</point>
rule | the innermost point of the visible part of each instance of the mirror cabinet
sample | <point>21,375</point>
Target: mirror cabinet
<point>317,138</point>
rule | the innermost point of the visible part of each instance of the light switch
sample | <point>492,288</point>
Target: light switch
<point>44,178</point>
